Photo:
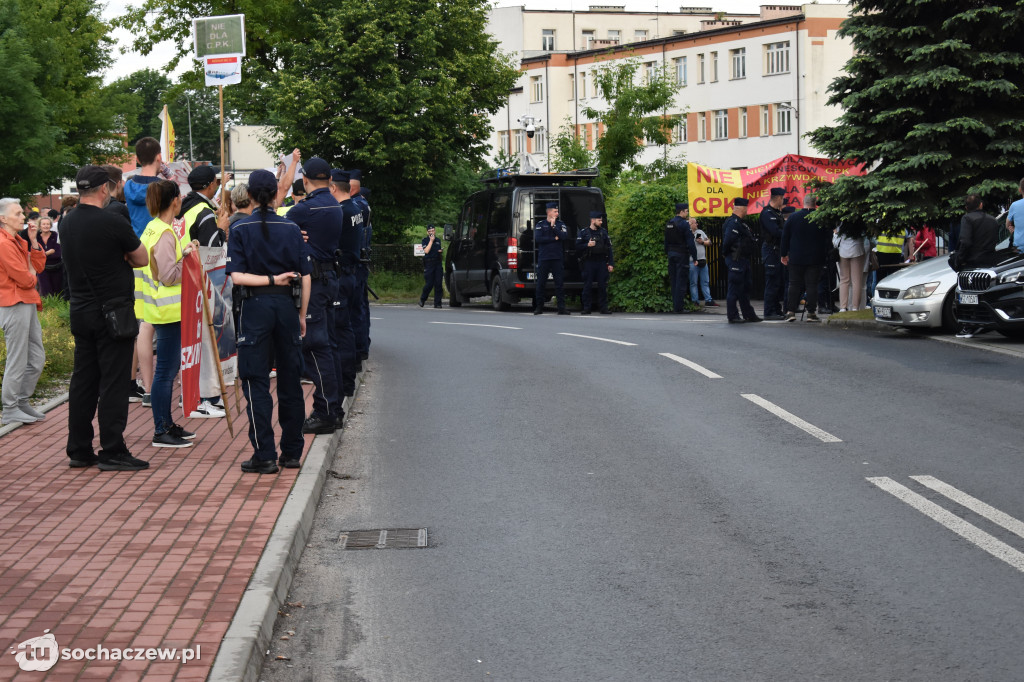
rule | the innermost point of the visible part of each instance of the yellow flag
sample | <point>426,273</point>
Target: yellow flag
<point>166,136</point>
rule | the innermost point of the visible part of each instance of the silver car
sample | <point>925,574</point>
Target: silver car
<point>918,296</point>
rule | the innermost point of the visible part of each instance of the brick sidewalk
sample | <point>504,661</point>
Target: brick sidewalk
<point>156,558</point>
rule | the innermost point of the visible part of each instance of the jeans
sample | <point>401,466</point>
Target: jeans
<point>168,362</point>
<point>700,276</point>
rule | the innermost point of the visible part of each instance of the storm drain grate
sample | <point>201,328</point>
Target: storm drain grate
<point>390,538</point>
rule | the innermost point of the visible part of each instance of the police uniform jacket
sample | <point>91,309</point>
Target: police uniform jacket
<point>350,240</point>
<point>249,251</point>
<point>435,250</point>
<point>805,242</point>
<point>602,249</point>
<point>738,241</point>
<point>321,217</point>
<point>544,235</point>
<point>679,239</point>
<point>771,223</point>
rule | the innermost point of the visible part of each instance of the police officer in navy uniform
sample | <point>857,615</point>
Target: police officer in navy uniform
<point>771,222</point>
<point>680,247</point>
<point>319,217</point>
<point>347,261</point>
<point>361,316</point>
<point>265,255</point>
<point>594,249</point>
<point>431,267</point>
<point>549,236</point>
<point>738,246</point>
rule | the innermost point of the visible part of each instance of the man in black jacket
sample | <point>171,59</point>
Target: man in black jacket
<point>805,246</point>
<point>979,234</point>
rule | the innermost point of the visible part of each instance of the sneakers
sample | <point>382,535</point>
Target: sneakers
<point>169,440</point>
<point>966,332</point>
<point>755,318</point>
<point>317,424</point>
<point>811,317</point>
<point>135,392</point>
<point>179,432</point>
<point>147,400</point>
<point>712,304</point>
<point>16,415</point>
<point>31,411</point>
<point>775,316</point>
<point>259,466</point>
<point>206,410</point>
<point>123,462</point>
<point>89,461</point>
<point>842,310</point>
<point>790,317</point>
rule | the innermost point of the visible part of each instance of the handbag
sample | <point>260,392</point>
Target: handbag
<point>872,261</point>
<point>701,262</point>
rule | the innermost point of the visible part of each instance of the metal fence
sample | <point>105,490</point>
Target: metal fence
<point>395,258</point>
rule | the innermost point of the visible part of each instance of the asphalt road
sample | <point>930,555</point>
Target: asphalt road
<point>599,511</point>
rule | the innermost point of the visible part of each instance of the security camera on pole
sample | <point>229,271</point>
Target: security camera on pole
<point>529,124</point>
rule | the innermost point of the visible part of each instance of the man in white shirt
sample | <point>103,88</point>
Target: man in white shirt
<point>699,268</point>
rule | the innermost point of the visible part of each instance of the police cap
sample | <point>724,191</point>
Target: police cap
<point>364,191</point>
<point>778,192</point>
<point>595,214</point>
<point>262,180</point>
<point>742,202</point>
<point>550,205</point>
<point>355,174</point>
<point>682,206</point>
<point>338,175</point>
<point>317,169</point>
<point>201,177</point>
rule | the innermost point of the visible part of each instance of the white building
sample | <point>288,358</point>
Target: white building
<point>748,90</point>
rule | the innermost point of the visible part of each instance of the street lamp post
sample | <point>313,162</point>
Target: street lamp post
<point>191,153</point>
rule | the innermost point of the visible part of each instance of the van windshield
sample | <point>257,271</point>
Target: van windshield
<point>575,205</point>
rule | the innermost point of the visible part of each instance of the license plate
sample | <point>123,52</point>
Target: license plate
<point>883,311</point>
<point>968,299</point>
<point>533,275</point>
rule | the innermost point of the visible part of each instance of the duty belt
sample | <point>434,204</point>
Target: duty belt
<point>276,290</point>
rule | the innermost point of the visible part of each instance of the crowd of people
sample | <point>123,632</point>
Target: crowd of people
<point>296,252</point>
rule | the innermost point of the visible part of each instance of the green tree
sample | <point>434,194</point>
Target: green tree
<point>633,113</point>
<point>202,105</point>
<point>932,105</point>
<point>143,92</point>
<point>568,151</point>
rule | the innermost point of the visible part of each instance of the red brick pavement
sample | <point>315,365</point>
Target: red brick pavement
<point>157,558</point>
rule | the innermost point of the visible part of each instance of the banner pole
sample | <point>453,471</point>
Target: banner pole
<point>223,175</point>
<point>212,333</point>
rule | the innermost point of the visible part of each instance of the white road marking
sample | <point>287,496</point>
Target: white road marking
<point>597,338</point>
<point>975,505</point>
<point>376,318</point>
<point>796,421</point>
<point>969,532</point>
<point>470,324</point>
<point>692,365</point>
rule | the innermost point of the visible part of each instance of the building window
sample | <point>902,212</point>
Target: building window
<point>588,137</point>
<point>614,34</point>
<point>721,124</point>
<point>738,58</point>
<point>766,120</point>
<point>743,121</point>
<point>572,86</point>
<point>547,39</point>
<point>588,38</point>
<point>651,71</point>
<point>679,133</point>
<point>503,141</point>
<point>783,120</point>
<point>639,35</point>
<point>520,141</point>
<point>700,68</point>
<point>536,89</point>
<point>680,64</point>
<point>593,84</point>
<point>582,85</point>
<point>702,127</point>
<point>714,67</point>
<point>776,58</point>
<point>540,141</point>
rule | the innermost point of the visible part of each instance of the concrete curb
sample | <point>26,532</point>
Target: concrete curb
<point>857,324</point>
<point>241,653</point>
<point>56,402</point>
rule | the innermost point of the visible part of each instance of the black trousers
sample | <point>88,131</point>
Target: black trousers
<point>346,358</point>
<point>432,276</point>
<point>99,386</point>
<point>557,270</point>
<point>595,271</point>
<point>803,278</point>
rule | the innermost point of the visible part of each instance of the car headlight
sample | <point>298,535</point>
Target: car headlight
<point>1011,276</point>
<point>921,290</point>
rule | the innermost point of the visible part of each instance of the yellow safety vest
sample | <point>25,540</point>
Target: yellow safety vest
<point>190,218</point>
<point>160,304</point>
<point>890,243</point>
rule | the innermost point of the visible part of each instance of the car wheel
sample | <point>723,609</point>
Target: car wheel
<point>454,300</point>
<point>497,297</point>
<point>948,322</point>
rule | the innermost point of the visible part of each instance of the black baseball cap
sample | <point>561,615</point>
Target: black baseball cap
<point>91,177</point>
<point>201,177</point>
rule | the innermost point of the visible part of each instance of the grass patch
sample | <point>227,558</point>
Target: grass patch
<point>58,344</point>
<point>853,315</point>
<point>397,287</point>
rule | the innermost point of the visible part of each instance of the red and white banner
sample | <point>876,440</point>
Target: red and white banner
<point>192,281</point>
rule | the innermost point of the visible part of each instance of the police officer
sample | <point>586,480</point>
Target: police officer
<point>680,248</point>
<point>320,219</point>
<point>265,253</point>
<point>549,236</point>
<point>431,267</point>
<point>347,255</point>
<point>594,249</point>
<point>738,246</point>
<point>771,222</point>
<point>361,315</point>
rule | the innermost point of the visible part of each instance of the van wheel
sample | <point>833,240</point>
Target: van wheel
<point>454,300</point>
<point>497,297</point>
<point>948,321</point>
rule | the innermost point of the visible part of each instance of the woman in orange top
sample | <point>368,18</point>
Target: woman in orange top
<point>19,303</point>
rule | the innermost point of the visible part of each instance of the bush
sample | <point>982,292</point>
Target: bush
<point>57,343</point>
<point>637,213</point>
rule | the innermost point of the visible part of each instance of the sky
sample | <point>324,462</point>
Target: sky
<point>158,59</point>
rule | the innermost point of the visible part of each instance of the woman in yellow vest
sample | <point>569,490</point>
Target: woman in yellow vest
<point>161,304</point>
